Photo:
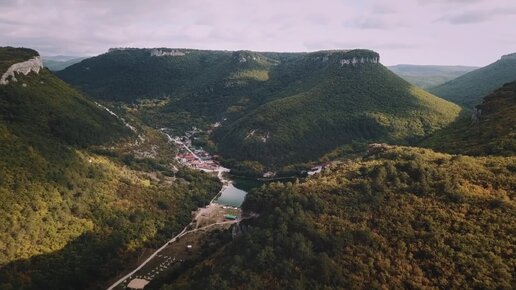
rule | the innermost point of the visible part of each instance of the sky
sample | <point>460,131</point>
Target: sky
<point>452,32</point>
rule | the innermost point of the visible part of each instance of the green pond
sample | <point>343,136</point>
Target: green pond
<point>231,196</point>
<point>234,194</point>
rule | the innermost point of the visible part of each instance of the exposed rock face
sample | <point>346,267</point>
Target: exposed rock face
<point>354,61</point>
<point>375,148</point>
<point>243,56</point>
<point>475,116</point>
<point>346,57</point>
<point>25,67</point>
<point>256,135</point>
<point>161,52</point>
<point>247,58</point>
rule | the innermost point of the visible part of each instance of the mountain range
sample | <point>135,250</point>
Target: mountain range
<point>469,89</point>
<point>276,109</point>
<point>415,191</point>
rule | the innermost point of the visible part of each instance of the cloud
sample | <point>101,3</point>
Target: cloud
<point>404,30</point>
<point>452,2</point>
<point>318,19</point>
<point>478,16</point>
<point>379,45</point>
<point>376,23</point>
<point>467,17</point>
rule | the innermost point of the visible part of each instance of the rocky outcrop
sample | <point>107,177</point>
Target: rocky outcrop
<point>161,52</point>
<point>25,67</point>
<point>246,58</point>
<point>355,60</point>
<point>346,57</point>
<point>243,56</point>
<point>256,135</point>
<point>475,116</point>
<point>375,148</point>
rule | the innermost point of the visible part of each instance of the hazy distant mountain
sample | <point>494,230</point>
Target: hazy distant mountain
<point>427,76</point>
<point>280,108</point>
<point>469,89</point>
<point>60,62</point>
<point>61,57</point>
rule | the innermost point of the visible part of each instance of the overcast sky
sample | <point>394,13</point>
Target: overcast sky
<point>467,32</point>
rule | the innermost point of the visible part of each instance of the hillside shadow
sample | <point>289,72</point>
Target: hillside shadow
<point>443,139</point>
<point>86,262</point>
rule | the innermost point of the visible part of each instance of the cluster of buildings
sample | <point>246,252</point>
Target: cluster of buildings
<point>194,157</point>
<point>202,163</point>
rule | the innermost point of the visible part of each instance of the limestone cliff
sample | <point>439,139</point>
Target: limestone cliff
<point>25,67</point>
<point>167,52</point>
<point>346,57</point>
<point>356,60</point>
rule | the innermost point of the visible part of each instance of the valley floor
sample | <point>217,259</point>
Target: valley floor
<point>212,217</point>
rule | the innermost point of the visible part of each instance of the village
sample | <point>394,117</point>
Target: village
<point>194,157</point>
<point>197,158</point>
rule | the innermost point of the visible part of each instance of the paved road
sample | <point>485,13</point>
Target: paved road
<point>182,144</point>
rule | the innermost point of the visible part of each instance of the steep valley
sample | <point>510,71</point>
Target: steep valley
<point>276,110</point>
<point>387,185</point>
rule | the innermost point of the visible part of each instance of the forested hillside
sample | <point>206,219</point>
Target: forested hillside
<point>396,218</point>
<point>403,218</point>
<point>276,109</point>
<point>469,89</point>
<point>490,130</point>
<point>399,217</point>
<point>78,203</point>
<point>130,74</point>
<point>257,145</point>
<point>333,106</point>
